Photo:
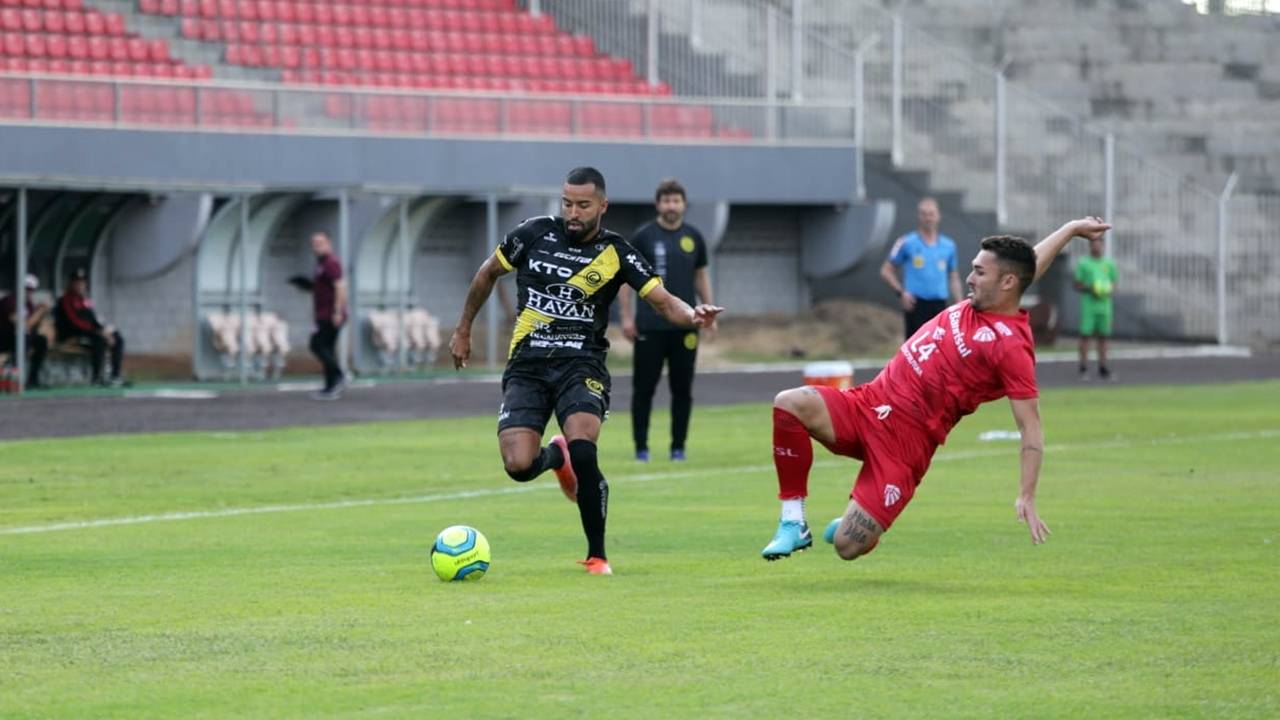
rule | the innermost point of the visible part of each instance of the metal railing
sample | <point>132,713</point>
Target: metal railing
<point>1236,7</point>
<point>258,107</point>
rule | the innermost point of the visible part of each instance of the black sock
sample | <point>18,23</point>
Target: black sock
<point>593,495</point>
<point>549,458</point>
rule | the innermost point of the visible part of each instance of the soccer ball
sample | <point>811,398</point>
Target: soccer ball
<point>460,553</point>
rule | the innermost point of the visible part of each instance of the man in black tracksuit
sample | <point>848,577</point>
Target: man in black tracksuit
<point>678,255</point>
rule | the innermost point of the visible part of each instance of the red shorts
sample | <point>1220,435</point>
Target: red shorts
<point>895,451</point>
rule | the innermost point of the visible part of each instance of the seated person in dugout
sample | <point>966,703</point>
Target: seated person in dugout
<point>76,319</point>
<point>37,344</point>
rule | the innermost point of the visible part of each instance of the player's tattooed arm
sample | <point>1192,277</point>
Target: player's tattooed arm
<point>481,286</point>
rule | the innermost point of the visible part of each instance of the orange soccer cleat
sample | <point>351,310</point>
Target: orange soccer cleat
<point>597,566</point>
<point>565,474</point>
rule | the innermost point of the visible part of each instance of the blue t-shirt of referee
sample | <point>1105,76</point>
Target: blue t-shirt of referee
<point>925,267</point>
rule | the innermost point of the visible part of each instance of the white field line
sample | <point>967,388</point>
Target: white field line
<point>1006,450</point>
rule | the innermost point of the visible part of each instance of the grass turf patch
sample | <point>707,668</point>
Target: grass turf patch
<point>1153,598</point>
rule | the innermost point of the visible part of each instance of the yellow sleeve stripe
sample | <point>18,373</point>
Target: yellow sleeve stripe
<point>649,286</point>
<point>497,252</point>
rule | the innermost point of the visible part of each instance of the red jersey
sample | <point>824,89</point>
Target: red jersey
<point>324,295</point>
<point>954,363</point>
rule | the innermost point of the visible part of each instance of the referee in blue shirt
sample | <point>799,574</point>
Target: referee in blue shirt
<point>930,280</point>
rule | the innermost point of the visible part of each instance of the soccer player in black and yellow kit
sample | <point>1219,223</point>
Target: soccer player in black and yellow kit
<point>568,271</point>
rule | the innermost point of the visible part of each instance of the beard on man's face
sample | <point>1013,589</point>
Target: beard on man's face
<point>580,231</point>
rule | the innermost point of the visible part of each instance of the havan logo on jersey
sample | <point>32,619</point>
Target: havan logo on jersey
<point>563,302</point>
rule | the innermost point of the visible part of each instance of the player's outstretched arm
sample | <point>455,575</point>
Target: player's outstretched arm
<point>678,312</point>
<point>481,285</point>
<point>1026,413</point>
<point>1048,248</point>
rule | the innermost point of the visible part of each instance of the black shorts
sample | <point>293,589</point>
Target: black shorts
<point>533,388</point>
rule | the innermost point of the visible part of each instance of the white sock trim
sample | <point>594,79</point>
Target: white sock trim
<point>793,510</point>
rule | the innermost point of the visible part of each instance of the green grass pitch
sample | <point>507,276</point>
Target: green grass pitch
<point>285,574</point>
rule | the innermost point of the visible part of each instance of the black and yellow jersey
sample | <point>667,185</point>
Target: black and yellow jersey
<point>564,289</point>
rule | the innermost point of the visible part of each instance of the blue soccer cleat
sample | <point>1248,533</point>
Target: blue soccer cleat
<point>792,536</point>
<point>829,535</point>
<point>642,456</point>
<point>677,455</point>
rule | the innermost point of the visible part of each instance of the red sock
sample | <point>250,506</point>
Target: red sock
<point>792,455</point>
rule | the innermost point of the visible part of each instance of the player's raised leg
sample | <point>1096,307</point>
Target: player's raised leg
<point>798,415</point>
<point>855,533</point>
<point>524,458</point>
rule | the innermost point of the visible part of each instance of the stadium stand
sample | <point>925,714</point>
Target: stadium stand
<point>67,38</point>
<point>488,46</point>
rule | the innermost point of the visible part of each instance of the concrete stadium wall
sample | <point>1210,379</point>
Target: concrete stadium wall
<point>736,173</point>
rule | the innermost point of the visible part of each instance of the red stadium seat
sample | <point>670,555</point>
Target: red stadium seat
<point>138,50</point>
<point>77,47</point>
<point>119,48</point>
<point>74,22</point>
<point>35,46</point>
<point>94,24</point>
<point>158,50</point>
<point>56,46</point>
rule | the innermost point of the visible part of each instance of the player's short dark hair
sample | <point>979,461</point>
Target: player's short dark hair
<point>1015,255</point>
<point>586,176</point>
<point>670,186</point>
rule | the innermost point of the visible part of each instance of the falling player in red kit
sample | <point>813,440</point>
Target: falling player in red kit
<point>975,351</point>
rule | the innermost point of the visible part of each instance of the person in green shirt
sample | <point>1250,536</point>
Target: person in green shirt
<point>1095,280</point>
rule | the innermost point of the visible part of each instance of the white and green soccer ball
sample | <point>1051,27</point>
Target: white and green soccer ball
<point>460,553</point>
